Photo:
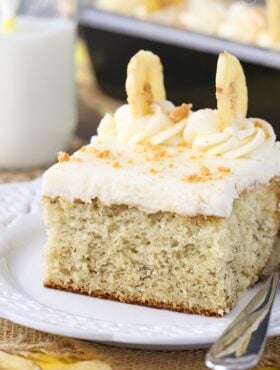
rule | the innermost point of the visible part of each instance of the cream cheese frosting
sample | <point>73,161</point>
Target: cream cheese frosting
<point>122,165</point>
<point>157,156</point>
<point>247,137</point>
<point>154,128</point>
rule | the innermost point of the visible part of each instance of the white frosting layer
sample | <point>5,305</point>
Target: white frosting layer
<point>159,178</point>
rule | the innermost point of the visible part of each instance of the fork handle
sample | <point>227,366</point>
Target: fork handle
<point>241,345</point>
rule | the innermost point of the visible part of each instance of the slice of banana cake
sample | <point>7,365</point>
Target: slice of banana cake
<point>166,207</point>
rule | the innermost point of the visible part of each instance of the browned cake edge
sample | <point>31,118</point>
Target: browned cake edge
<point>136,301</point>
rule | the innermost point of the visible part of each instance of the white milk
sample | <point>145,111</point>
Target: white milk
<point>37,91</point>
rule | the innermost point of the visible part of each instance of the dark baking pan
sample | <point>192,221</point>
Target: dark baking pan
<point>189,61</point>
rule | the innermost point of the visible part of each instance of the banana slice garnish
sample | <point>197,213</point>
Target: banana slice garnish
<point>231,90</point>
<point>273,19</point>
<point>144,83</point>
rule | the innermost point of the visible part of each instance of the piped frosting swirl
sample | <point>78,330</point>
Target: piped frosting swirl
<point>156,128</point>
<point>199,131</point>
<point>242,139</point>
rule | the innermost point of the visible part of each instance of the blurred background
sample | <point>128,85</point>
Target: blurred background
<point>187,35</point>
<point>189,51</point>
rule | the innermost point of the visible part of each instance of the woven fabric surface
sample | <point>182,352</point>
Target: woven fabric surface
<point>21,340</point>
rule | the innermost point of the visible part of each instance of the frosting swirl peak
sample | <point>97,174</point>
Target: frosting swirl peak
<point>242,139</point>
<point>156,128</point>
<point>201,131</point>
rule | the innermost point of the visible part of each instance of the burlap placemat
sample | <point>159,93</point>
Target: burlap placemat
<point>21,340</point>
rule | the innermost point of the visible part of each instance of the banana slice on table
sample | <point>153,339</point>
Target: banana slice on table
<point>13,362</point>
<point>144,83</point>
<point>231,90</point>
<point>273,19</point>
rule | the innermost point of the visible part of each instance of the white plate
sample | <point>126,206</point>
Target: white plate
<point>24,300</point>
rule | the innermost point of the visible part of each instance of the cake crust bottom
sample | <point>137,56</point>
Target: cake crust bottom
<point>135,301</point>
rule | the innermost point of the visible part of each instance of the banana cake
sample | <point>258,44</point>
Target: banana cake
<point>166,207</point>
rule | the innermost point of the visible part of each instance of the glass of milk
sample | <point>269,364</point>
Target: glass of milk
<point>37,90</point>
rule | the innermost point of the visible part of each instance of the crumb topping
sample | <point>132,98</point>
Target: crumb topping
<point>63,157</point>
<point>153,171</point>
<point>102,153</point>
<point>76,159</point>
<point>154,153</point>
<point>161,161</point>
<point>116,164</point>
<point>197,156</point>
<point>199,178</point>
<point>180,112</point>
<point>158,155</point>
<point>205,171</point>
<point>193,178</point>
<point>83,149</point>
<point>224,169</point>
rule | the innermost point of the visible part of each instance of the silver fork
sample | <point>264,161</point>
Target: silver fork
<point>241,345</point>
